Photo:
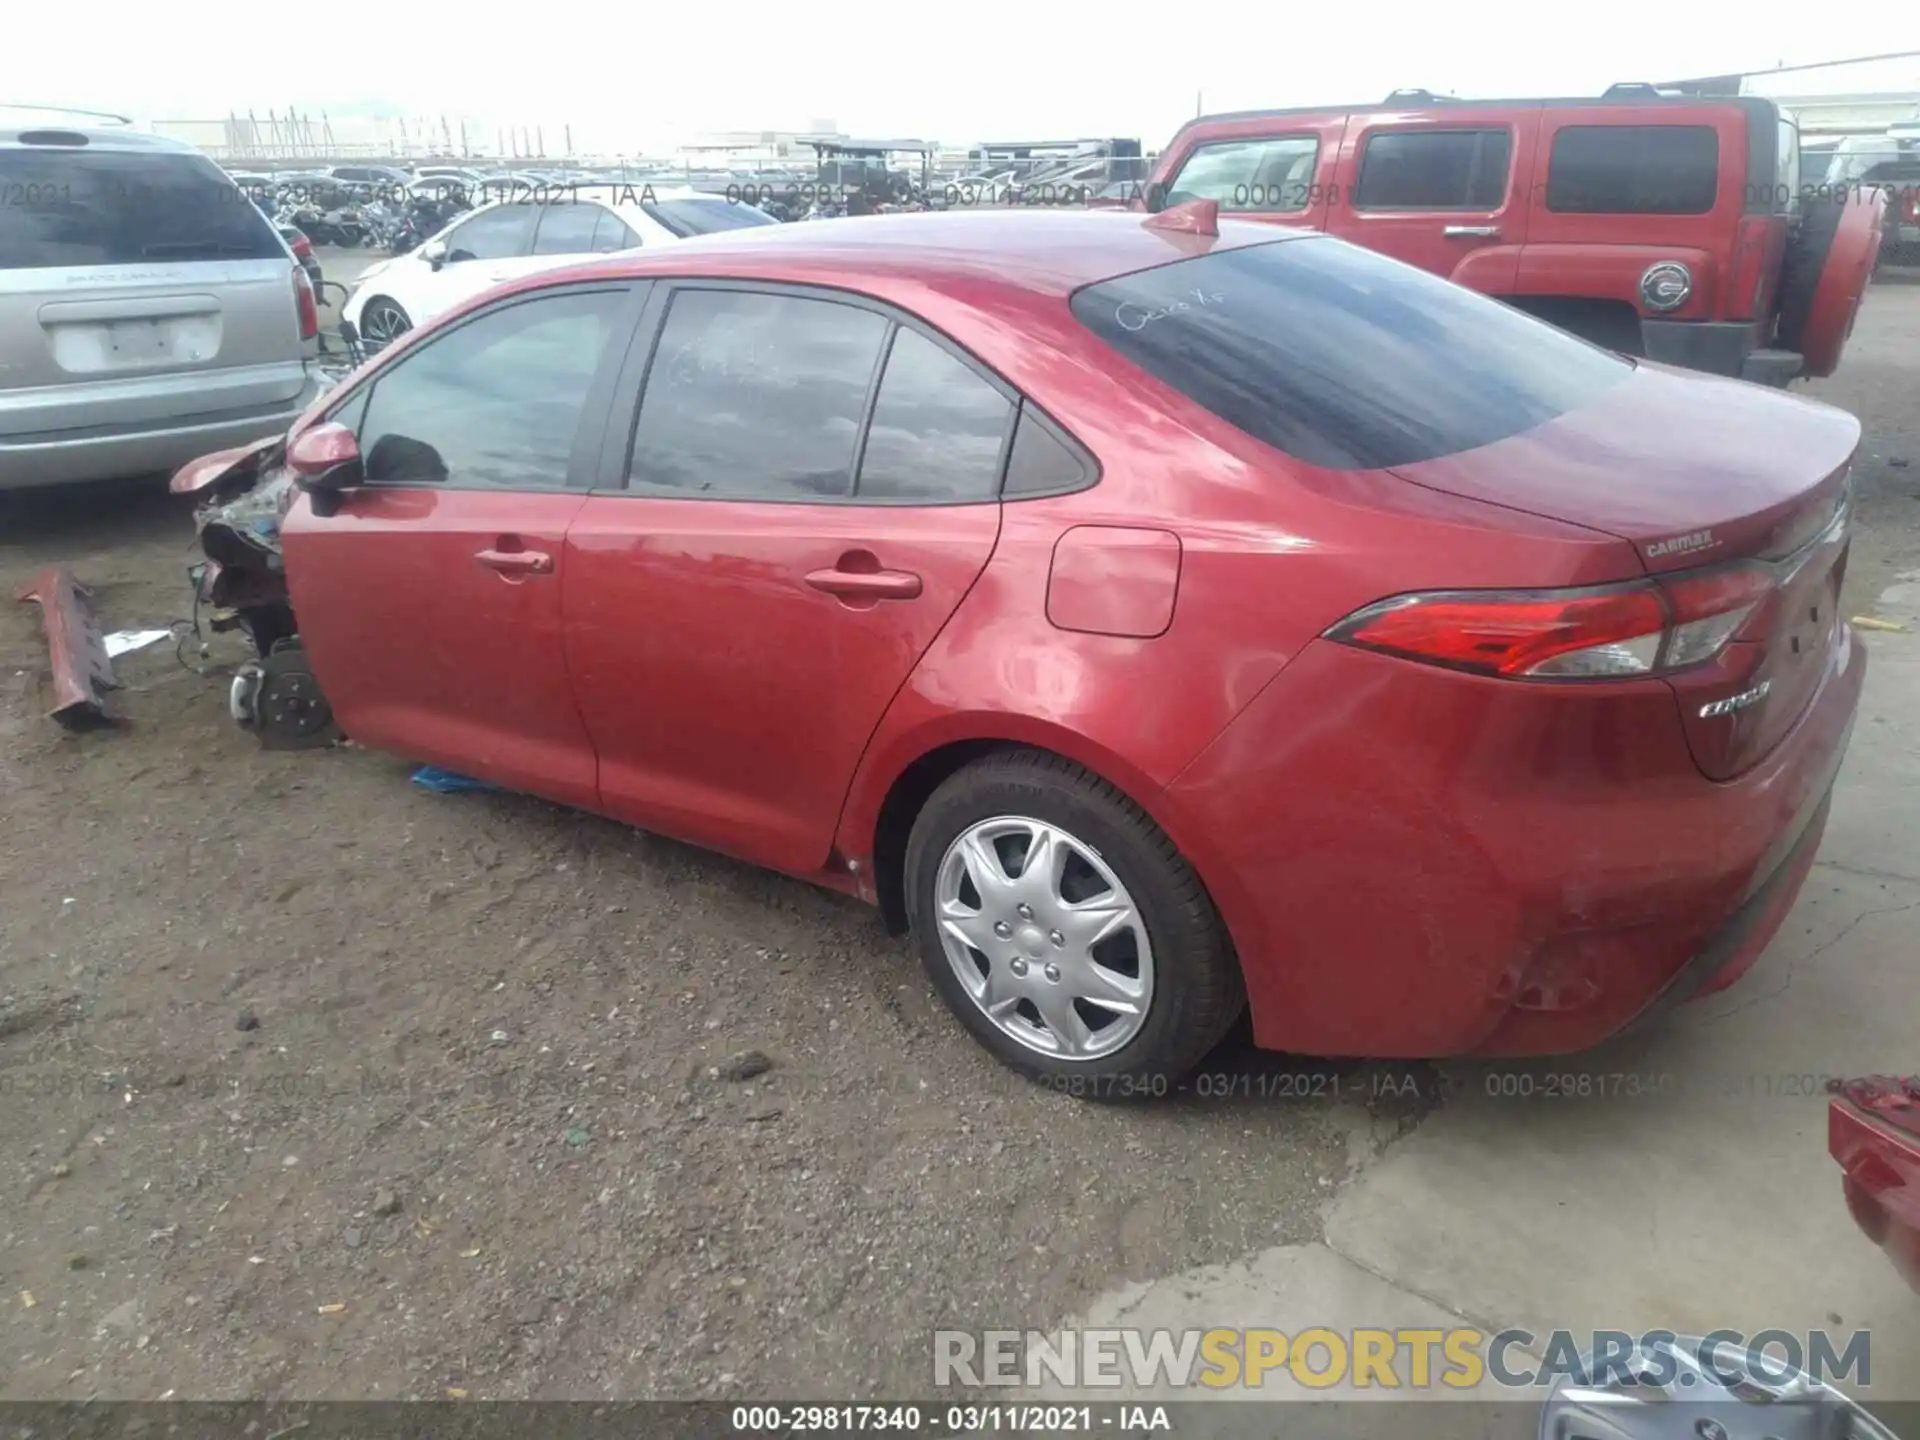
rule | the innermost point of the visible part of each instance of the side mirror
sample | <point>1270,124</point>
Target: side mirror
<point>434,252</point>
<point>325,461</point>
<point>1156,199</point>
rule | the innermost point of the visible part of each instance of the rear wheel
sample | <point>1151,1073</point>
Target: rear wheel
<point>1061,926</point>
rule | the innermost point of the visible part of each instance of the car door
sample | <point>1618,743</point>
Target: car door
<point>1437,188</point>
<point>478,250</point>
<point>429,603</point>
<point>796,502</point>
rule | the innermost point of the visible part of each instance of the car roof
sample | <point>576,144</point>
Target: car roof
<point>1441,104</point>
<point>121,139</point>
<point>1048,252</point>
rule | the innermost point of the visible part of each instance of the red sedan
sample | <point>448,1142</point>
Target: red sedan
<point>1156,616</point>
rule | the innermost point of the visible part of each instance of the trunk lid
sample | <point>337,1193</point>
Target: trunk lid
<point>1702,476</point>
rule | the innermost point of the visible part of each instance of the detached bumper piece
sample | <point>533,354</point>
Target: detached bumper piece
<point>82,670</point>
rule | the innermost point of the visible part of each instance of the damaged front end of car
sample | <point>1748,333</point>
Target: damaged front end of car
<point>240,499</point>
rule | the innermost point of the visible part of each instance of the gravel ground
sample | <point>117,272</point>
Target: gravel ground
<point>319,1084</point>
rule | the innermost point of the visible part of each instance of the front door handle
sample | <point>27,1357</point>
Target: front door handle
<point>516,563</point>
<point>867,584</point>
<point>1490,232</point>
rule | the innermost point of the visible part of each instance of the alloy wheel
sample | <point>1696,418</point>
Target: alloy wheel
<point>383,322</point>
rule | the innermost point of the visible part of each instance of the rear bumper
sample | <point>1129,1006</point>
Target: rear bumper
<point>1418,863</point>
<point>1719,347</point>
<point>1880,1164</point>
<point>113,452</point>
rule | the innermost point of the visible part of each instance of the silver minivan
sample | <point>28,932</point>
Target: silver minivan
<point>149,312</point>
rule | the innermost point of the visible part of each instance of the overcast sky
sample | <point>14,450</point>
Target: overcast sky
<point>991,69</point>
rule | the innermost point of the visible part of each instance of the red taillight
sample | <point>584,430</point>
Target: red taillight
<point>302,247</point>
<point>1642,628</point>
<point>303,302</point>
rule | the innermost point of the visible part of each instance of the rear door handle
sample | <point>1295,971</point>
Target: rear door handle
<point>1490,232</point>
<point>867,584</point>
<point>517,562</point>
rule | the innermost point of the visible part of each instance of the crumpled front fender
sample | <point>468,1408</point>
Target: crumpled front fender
<point>197,476</point>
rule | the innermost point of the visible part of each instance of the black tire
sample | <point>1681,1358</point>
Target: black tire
<point>1800,272</point>
<point>1197,989</point>
<point>373,339</point>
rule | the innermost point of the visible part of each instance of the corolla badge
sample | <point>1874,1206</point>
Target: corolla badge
<point>1680,544</point>
<point>1737,702</point>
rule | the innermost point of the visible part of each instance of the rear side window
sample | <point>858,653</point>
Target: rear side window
<point>1269,174</point>
<point>1341,357</point>
<point>579,228</point>
<point>755,397</point>
<point>1040,462</point>
<point>1634,170</point>
<point>1434,170</point>
<point>937,430</point>
<point>77,207</point>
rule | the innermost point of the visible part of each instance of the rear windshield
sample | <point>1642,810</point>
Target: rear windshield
<point>703,216</point>
<point>1341,357</point>
<point>66,207</point>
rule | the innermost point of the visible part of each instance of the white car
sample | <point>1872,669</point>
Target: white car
<point>526,234</point>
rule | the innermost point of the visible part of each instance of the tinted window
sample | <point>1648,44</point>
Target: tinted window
<point>754,396</point>
<point>106,208</point>
<point>1434,170</point>
<point>705,215</point>
<point>1269,174</point>
<point>937,429</point>
<point>566,229</point>
<point>494,402</point>
<point>1342,357</point>
<point>497,234</point>
<point>1040,463</point>
<point>1635,170</point>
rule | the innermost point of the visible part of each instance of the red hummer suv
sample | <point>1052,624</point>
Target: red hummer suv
<point>1667,226</point>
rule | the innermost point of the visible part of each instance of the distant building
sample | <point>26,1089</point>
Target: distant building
<point>1832,100</point>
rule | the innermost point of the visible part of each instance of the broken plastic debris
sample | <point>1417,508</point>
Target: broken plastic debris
<point>121,641</point>
<point>331,1309</point>
<point>446,782</point>
<point>1868,622</point>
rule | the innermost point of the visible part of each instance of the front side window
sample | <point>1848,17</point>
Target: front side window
<point>502,233</point>
<point>1341,357</point>
<point>1634,170</point>
<point>1273,173</point>
<point>755,396</point>
<point>1434,170</point>
<point>937,431</point>
<point>495,402</point>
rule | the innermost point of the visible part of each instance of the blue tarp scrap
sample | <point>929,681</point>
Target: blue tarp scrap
<point>445,782</point>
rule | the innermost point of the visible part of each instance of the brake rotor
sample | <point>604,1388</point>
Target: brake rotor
<point>1843,280</point>
<point>289,712</point>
